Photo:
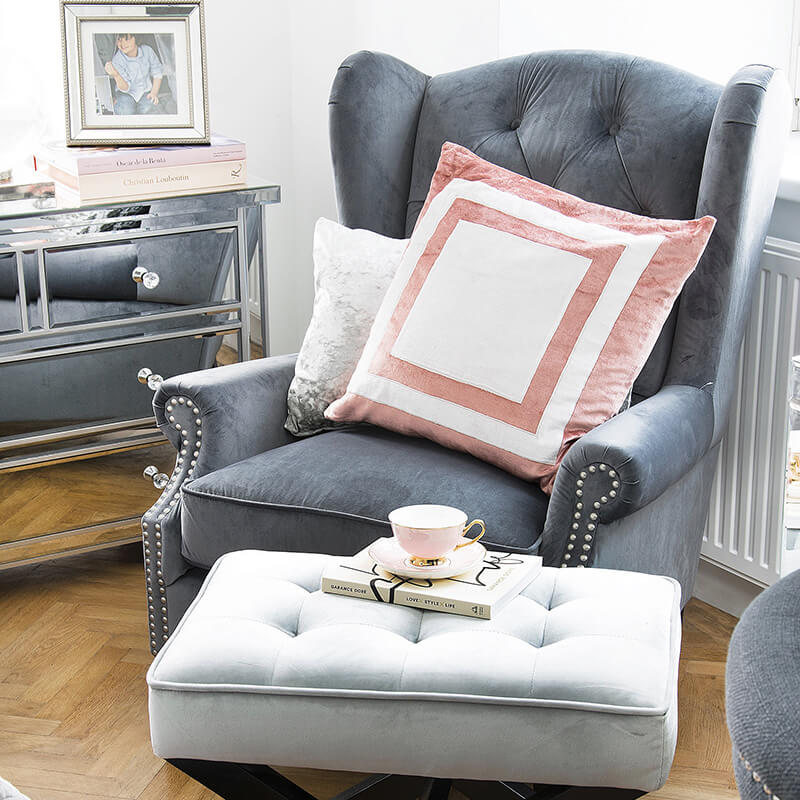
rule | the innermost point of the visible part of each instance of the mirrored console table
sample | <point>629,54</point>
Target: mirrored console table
<point>99,303</point>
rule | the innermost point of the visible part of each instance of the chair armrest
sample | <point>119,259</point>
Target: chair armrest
<point>239,410</point>
<point>625,463</point>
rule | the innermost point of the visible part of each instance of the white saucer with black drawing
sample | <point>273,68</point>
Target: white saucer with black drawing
<point>388,555</point>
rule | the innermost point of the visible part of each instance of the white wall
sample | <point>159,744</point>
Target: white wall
<point>271,64</point>
<point>712,38</point>
<point>250,98</point>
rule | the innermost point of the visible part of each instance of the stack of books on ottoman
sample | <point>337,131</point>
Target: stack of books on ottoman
<point>429,564</point>
<point>105,174</point>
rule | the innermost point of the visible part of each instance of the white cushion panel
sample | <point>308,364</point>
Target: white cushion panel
<point>251,572</point>
<point>613,671</point>
<point>542,588</point>
<point>599,617</point>
<point>578,584</point>
<point>471,662</point>
<point>353,655</point>
<point>275,601</point>
<point>226,650</point>
<point>321,610</point>
<point>522,618</point>
<point>512,314</point>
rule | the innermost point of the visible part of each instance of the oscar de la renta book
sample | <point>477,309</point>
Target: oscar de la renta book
<point>92,160</point>
<point>480,592</point>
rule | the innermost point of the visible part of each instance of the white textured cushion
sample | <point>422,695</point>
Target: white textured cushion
<point>574,682</point>
<point>352,270</point>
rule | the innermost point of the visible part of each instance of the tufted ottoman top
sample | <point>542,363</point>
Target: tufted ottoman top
<point>264,668</point>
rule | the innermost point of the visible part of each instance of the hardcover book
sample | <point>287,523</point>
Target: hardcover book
<point>481,592</point>
<point>90,160</point>
<point>148,182</point>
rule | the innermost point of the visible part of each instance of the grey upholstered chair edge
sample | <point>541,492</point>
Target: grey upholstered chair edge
<point>750,126</point>
<point>196,412</point>
<point>621,466</point>
<point>389,145</point>
<point>248,397</point>
<point>723,177</point>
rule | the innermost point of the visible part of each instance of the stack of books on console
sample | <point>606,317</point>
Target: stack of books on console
<point>99,174</point>
<point>480,592</point>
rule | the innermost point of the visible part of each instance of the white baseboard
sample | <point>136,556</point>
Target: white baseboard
<point>723,589</point>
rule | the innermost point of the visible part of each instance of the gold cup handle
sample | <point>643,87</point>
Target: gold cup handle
<point>464,533</point>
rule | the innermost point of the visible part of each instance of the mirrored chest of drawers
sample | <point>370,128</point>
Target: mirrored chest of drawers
<point>96,305</point>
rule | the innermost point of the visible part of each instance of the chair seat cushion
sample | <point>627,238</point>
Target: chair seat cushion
<point>573,682</point>
<point>332,493</point>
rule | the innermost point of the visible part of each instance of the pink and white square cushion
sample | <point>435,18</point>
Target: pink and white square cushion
<point>519,317</point>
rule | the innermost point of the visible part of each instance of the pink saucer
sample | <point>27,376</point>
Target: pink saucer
<point>388,555</point>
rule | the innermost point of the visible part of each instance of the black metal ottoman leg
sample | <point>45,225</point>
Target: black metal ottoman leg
<point>241,781</point>
<point>260,782</point>
<point>504,790</point>
<point>437,789</point>
<point>495,790</point>
<point>590,793</point>
<point>387,787</point>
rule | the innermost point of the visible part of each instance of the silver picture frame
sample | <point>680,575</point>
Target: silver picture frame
<point>134,72</point>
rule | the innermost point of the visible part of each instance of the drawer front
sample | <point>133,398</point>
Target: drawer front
<point>95,386</point>
<point>136,279</point>
<point>89,499</point>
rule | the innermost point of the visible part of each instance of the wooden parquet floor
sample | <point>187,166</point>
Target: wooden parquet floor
<point>73,700</point>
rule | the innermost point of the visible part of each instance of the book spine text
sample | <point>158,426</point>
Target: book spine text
<point>111,161</point>
<point>408,598</point>
<point>148,182</point>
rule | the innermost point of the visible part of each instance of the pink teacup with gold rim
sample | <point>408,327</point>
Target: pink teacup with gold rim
<point>429,532</point>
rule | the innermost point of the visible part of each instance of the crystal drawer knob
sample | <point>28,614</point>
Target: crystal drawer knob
<point>148,279</point>
<point>153,381</point>
<point>160,480</point>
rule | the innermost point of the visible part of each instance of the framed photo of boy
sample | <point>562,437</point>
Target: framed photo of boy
<point>134,72</point>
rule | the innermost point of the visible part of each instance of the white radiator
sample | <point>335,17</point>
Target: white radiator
<point>744,532</point>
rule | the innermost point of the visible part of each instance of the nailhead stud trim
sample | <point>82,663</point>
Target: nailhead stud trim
<point>157,601</point>
<point>757,778</point>
<point>593,517</point>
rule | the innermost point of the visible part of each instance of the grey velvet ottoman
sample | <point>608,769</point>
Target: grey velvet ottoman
<point>573,684</point>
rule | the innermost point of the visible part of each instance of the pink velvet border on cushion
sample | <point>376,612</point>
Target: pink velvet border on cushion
<point>527,414</point>
<point>630,334</point>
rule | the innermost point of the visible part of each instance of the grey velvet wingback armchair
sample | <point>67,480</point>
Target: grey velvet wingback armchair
<point>613,129</point>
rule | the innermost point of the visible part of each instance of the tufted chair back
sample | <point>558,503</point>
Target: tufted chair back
<point>610,128</point>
